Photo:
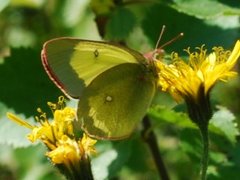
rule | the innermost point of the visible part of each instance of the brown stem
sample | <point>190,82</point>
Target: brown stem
<point>151,140</point>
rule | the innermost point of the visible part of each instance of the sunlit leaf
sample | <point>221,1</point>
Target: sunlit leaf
<point>204,8</point>
<point>161,114</point>
<point>74,11</point>
<point>12,133</point>
<point>3,4</point>
<point>225,123</point>
<point>27,3</point>
<point>108,163</point>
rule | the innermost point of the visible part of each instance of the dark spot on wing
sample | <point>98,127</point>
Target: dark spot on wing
<point>96,53</point>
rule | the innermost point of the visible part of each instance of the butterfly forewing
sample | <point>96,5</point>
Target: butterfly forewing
<point>73,63</point>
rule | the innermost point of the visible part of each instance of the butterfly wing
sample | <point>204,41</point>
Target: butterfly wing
<point>112,105</point>
<point>73,63</point>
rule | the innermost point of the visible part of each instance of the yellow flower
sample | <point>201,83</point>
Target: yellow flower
<point>49,132</point>
<point>58,136</point>
<point>87,144</point>
<point>70,151</point>
<point>193,81</point>
<point>66,151</point>
<point>186,80</point>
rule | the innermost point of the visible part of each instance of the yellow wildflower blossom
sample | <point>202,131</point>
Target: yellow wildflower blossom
<point>88,144</point>
<point>69,151</point>
<point>49,132</point>
<point>193,81</point>
<point>58,136</point>
<point>184,80</point>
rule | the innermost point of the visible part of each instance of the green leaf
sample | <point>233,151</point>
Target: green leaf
<point>27,3</point>
<point>75,11</point>
<point>162,114</point>
<point>12,133</point>
<point>109,162</point>
<point>4,4</point>
<point>218,157</point>
<point>24,87</point>
<point>27,163</point>
<point>121,24</point>
<point>191,143</point>
<point>141,161</point>
<point>235,155</point>
<point>223,122</point>
<point>204,8</point>
<point>194,36</point>
<point>223,171</point>
<point>24,83</point>
<point>224,163</point>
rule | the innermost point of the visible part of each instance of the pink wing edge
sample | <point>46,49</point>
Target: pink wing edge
<point>49,71</point>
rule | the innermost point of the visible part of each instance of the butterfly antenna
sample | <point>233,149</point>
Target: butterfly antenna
<point>158,49</point>
<point>160,37</point>
<point>172,40</point>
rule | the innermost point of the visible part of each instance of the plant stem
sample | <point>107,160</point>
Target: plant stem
<point>151,140</point>
<point>79,171</point>
<point>204,163</point>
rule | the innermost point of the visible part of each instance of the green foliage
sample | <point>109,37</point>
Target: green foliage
<point>111,159</point>
<point>27,163</point>
<point>162,114</point>
<point>26,25</point>
<point>224,121</point>
<point>198,33</point>
<point>20,72</point>
<point>205,9</point>
<point>12,134</point>
<point>121,24</point>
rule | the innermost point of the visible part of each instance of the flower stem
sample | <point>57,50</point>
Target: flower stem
<point>204,163</point>
<point>86,171</point>
<point>151,140</point>
<point>81,171</point>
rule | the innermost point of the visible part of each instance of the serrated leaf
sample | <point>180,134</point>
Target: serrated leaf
<point>224,121</point>
<point>24,83</point>
<point>111,161</point>
<point>121,24</point>
<point>204,9</point>
<point>12,133</point>
<point>161,114</point>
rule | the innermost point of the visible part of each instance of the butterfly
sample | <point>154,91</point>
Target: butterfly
<point>115,85</point>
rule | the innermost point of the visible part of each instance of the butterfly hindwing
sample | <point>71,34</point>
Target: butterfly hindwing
<point>114,102</point>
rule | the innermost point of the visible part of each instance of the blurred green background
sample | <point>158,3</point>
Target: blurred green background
<point>24,86</point>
